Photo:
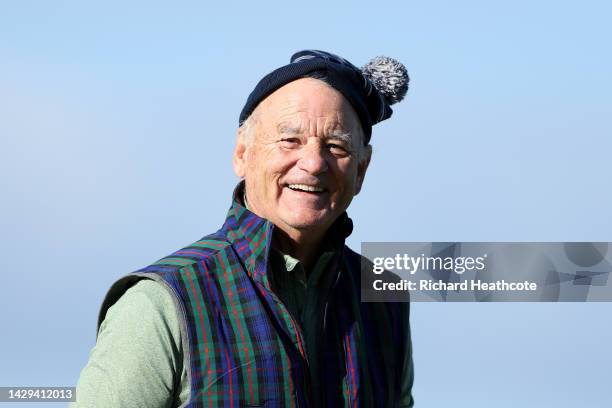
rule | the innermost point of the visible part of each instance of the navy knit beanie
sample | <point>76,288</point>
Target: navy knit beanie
<point>370,90</point>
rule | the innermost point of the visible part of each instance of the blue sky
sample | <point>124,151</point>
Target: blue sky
<point>117,121</point>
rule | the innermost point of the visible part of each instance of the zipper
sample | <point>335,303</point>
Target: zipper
<point>298,331</point>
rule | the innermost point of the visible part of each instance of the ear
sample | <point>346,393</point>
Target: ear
<point>239,156</point>
<point>362,167</point>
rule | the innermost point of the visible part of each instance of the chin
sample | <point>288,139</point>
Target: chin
<point>305,220</point>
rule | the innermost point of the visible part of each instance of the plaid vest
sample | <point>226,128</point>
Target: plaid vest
<point>244,349</point>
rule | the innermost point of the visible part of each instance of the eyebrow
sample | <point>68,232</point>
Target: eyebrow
<point>338,134</point>
<point>341,135</point>
<point>286,128</point>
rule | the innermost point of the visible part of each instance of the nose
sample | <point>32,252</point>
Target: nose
<point>312,159</point>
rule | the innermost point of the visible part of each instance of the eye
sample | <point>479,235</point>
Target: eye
<point>338,150</point>
<point>289,142</point>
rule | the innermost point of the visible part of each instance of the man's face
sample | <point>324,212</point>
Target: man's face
<point>301,165</point>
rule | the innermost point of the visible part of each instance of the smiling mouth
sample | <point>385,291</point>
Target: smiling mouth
<point>306,188</point>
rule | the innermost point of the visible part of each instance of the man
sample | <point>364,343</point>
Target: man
<point>266,311</point>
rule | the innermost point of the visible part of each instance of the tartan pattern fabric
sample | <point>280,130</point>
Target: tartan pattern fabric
<point>244,347</point>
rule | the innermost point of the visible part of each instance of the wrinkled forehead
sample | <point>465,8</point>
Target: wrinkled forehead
<point>309,104</point>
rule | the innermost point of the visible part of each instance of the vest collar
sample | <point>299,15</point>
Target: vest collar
<point>251,235</point>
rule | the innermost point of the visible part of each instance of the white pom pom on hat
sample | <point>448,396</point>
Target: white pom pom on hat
<point>389,77</point>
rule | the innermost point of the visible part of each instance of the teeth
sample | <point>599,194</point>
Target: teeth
<point>305,187</point>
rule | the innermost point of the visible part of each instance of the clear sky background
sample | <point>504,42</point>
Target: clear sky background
<point>117,122</point>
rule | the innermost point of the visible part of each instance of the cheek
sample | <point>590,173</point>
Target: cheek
<point>281,163</point>
<point>258,163</point>
<point>267,172</point>
<point>347,174</point>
